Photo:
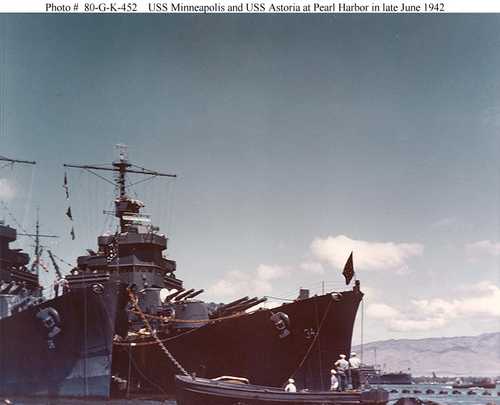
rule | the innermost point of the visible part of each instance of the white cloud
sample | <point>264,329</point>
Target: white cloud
<point>237,284</point>
<point>312,267</point>
<point>7,189</point>
<point>398,321</point>
<point>482,248</point>
<point>367,255</point>
<point>409,325</point>
<point>370,293</point>
<point>381,311</point>
<point>482,300</point>
<point>266,272</point>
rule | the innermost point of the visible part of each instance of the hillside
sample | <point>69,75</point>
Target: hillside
<point>447,356</point>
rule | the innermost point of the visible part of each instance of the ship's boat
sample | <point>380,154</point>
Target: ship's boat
<point>201,391</point>
<point>57,347</point>
<point>172,331</point>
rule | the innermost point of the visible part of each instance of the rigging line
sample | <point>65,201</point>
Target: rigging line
<point>29,198</point>
<point>85,341</point>
<point>362,325</point>
<point>153,176</point>
<point>107,221</point>
<point>170,208</point>
<point>152,171</point>
<point>62,260</point>
<point>320,365</point>
<point>278,298</point>
<point>2,80</point>
<point>88,231</point>
<point>306,355</point>
<point>14,219</point>
<point>101,177</point>
<point>161,206</point>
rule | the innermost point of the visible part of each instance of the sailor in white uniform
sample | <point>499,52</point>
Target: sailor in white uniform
<point>355,364</point>
<point>290,387</point>
<point>334,382</point>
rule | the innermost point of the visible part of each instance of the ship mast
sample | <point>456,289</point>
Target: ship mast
<point>123,204</point>
<point>37,235</point>
<point>38,247</point>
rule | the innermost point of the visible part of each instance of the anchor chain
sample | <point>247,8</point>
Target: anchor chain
<point>134,301</point>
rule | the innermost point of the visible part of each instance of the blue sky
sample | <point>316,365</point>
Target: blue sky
<point>296,138</point>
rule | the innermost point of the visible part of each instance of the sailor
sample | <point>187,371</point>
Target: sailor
<point>56,288</point>
<point>334,382</point>
<point>355,364</point>
<point>290,387</point>
<point>342,366</point>
<point>65,286</point>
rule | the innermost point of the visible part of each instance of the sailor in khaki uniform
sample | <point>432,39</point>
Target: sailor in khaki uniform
<point>342,366</point>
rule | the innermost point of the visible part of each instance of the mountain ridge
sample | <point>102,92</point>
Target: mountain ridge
<point>446,356</point>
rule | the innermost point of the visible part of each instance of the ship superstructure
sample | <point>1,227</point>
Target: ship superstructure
<point>19,287</point>
<point>171,331</point>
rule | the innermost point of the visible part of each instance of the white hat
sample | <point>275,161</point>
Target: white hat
<point>333,371</point>
<point>291,380</point>
<point>353,354</point>
<point>342,356</point>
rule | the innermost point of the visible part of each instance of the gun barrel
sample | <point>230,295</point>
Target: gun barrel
<point>194,294</point>
<point>170,296</point>
<point>259,301</point>
<point>184,294</point>
<point>234,303</point>
<point>245,305</point>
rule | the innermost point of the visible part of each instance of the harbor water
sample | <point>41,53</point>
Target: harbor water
<point>445,399</point>
<point>479,398</point>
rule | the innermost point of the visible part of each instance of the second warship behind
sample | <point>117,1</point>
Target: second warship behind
<point>56,347</point>
<point>171,331</point>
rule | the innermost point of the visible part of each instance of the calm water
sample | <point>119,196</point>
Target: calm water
<point>449,399</point>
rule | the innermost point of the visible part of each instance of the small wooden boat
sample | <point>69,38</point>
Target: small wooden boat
<point>201,391</point>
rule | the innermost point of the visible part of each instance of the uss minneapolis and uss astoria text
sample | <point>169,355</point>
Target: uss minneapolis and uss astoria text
<point>340,7</point>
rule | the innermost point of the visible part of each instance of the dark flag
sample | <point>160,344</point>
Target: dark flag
<point>348,270</point>
<point>72,233</point>
<point>65,185</point>
<point>68,213</point>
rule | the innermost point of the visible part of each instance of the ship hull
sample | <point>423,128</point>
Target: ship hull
<point>62,347</point>
<point>391,379</point>
<point>250,346</point>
